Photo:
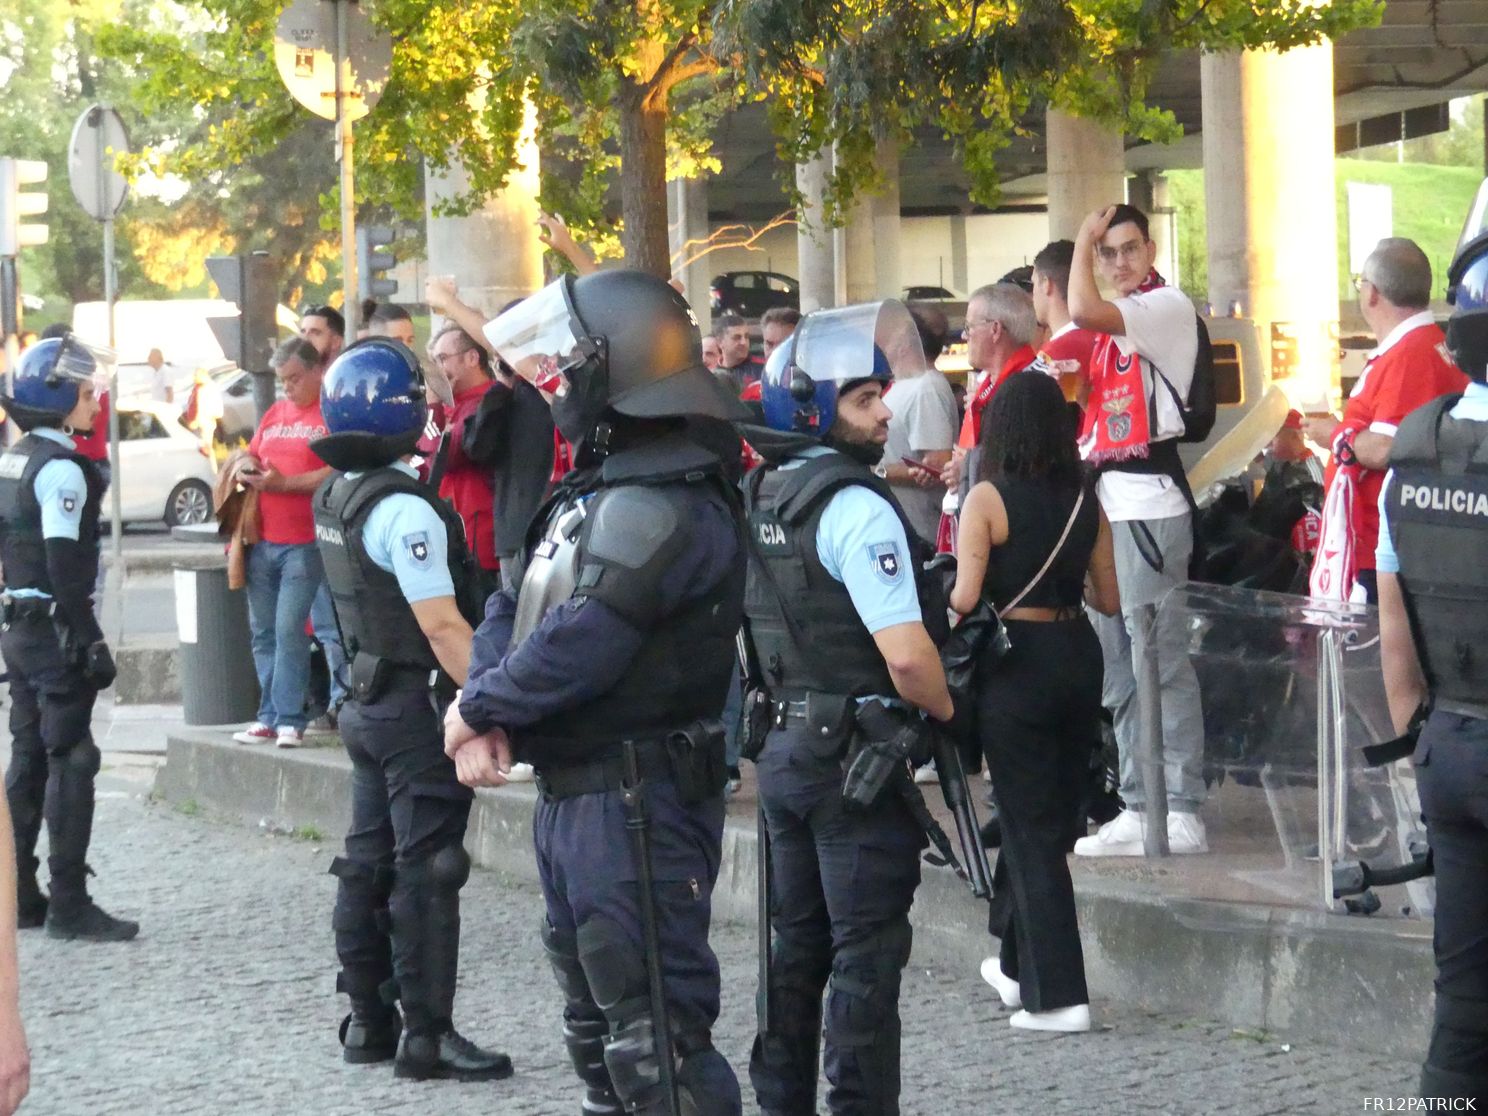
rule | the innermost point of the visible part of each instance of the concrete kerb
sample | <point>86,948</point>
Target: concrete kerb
<point>1262,970</point>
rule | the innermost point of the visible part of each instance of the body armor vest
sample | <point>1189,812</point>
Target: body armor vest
<point>1438,515</point>
<point>823,647</point>
<point>372,614</point>
<point>687,660</point>
<point>22,548</point>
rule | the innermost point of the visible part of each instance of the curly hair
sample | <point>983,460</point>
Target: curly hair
<point>1027,431</point>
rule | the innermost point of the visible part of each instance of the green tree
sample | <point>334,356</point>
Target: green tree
<point>624,88</point>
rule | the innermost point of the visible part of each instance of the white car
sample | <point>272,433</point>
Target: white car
<point>165,472</point>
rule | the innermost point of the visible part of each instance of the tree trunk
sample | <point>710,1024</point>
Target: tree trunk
<point>643,121</point>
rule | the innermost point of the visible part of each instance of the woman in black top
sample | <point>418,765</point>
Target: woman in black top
<point>1038,706</point>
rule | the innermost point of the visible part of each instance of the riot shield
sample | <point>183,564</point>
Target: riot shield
<point>843,343</point>
<point>1292,695</point>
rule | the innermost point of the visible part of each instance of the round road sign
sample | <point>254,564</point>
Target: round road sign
<point>305,54</point>
<point>97,137</point>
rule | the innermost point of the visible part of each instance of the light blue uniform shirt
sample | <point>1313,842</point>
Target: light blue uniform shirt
<point>61,491</point>
<point>405,536</point>
<point>861,543</point>
<point>1472,406</point>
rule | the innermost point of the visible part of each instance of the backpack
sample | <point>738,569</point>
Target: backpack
<point>1202,405</point>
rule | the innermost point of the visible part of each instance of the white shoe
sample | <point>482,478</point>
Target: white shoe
<point>256,733</point>
<point>289,737</point>
<point>1121,836</point>
<point>1007,988</point>
<point>927,774</point>
<point>1071,1020</point>
<point>519,773</point>
<point>1186,834</point>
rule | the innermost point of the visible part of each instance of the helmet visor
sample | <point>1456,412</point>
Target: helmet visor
<point>83,363</point>
<point>1472,244</point>
<point>538,338</point>
<point>871,340</point>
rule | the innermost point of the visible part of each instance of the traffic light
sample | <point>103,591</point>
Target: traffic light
<point>248,282</point>
<point>374,257</point>
<point>17,204</point>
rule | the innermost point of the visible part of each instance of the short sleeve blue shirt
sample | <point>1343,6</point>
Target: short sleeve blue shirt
<point>1472,406</point>
<point>61,492</point>
<point>405,536</point>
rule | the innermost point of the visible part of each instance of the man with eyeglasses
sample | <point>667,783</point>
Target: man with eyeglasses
<point>1408,368</point>
<point>1141,369</point>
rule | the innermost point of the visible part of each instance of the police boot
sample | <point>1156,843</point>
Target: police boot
<point>31,901</point>
<point>69,815</point>
<point>584,1025</point>
<point>425,908</point>
<point>371,1032</point>
<point>863,1031</point>
<point>785,1063</point>
<point>361,923</point>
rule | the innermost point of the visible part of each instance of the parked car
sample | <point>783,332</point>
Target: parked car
<point>164,471</point>
<point>750,293</point>
<point>947,301</point>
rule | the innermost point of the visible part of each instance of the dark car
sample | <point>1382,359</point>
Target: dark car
<point>750,293</point>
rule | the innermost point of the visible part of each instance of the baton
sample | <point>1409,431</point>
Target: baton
<point>953,788</point>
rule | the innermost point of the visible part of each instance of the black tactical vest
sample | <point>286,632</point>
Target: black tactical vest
<point>824,646</point>
<point>372,614</point>
<point>1438,514</point>
<point>22,548</point>
<point>688,658</point>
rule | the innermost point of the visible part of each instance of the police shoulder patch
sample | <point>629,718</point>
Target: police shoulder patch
<point>888,564</point>
<point>70,500</point>
<point>417,547</point>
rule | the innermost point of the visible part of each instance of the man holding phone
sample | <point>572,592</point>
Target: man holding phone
<point>921,435</point>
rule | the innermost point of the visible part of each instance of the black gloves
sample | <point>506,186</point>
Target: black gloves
<point>98,666</point>
<point>886,740</point>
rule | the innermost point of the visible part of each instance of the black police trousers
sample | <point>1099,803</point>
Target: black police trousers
<point>842,883</point>
<point>1452,774</point>
<point>397,904</point>
<point>53,760</point>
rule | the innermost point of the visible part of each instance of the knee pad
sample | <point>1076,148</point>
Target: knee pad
<point>799,968</point>
<point>362,895</point>
<point>706,1084</point>
<point>614,967</point>
<point>585,1040</point>
<point>449,868</point>
<point>562,948</point>
<point>865,984</point>
<point>84,758</point>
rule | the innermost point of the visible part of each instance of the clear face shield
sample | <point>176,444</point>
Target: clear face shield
<point>84,363</point>
<point>855,342</point>
<point>537,339</point>
<point>1472,245</point>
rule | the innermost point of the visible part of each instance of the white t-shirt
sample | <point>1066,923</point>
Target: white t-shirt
<point>1159,327</point>
<point>924,421</point>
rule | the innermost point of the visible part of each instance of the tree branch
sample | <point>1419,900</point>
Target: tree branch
<point>659,81</point>
<point>728,236</point>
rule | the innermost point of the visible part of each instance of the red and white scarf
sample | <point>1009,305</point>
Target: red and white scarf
<point>1336,566</point>
<point>1116,416</point>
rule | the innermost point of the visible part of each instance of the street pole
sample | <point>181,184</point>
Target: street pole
<point>10,298</point>
<point>116,476</point>
<point>344,149</point>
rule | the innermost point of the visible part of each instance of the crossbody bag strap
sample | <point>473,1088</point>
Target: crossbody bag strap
<point>1049,561</point>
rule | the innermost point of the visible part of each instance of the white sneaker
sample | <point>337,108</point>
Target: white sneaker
<point>289,737</point>
<point>1121,836</point>
<point>1007,988</point>
<point>519,773</point>
<point>927,774</point>
<point>256,733</point>
<point>1071,1020</point>
<point>1186,834</point>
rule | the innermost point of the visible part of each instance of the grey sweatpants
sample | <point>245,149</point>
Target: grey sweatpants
<point>1182,715</point>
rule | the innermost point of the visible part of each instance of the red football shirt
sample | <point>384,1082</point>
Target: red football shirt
<point>1068,354</point>
<point>1408,371</point>
<point>283,442</point>
<point>95,446</point>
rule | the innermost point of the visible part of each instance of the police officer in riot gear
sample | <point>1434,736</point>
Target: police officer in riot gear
<point>55,652</point>
<point>1433,631</point>
<point>608,671</point>
<point>403,585</point>
<point>839,618</point>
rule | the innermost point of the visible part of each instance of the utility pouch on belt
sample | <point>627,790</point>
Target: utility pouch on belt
<point>697,754</point>
<point>829,723</point>
<point>759,716</point>
<point>369,676</point>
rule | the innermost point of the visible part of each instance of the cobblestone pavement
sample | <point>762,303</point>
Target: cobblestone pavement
<point>225,1004</point>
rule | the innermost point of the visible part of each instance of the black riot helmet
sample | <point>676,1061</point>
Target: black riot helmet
<point>1467,291</point>
<point>618,341</point>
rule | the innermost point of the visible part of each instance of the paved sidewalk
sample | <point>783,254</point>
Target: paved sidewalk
<point>225,1005</point>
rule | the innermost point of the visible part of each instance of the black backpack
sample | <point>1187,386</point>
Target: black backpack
<point>1202,405</point>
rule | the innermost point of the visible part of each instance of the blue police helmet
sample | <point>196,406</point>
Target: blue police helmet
<point>796,401</point>
<point>372,400</point>
<point>47,380</point>
<point>1467,329</point>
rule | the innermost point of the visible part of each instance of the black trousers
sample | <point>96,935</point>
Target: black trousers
<point>1038,713</point>
<point>1452,763</point>
<point>843,882</point>
<point>53,760</point>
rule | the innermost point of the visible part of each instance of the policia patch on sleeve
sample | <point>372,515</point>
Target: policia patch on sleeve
<point>70,500</point>
<point>888,564</point>
<point>417,546</point>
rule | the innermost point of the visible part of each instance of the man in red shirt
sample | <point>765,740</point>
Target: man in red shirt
<point>1409,368</point>
<point>284,569</point>
<point>467,482</point>
<point>1066,354</point>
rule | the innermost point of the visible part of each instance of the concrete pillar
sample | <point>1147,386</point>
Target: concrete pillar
<point>687,234</point>
<point>1271,211</point>
<point>493,253</point>
<point>1086,170</point>
<point>816,254</point>
<point>960,270</point>
<point>884,207</point>
<point>858,259</point>
<point>1148,191</point>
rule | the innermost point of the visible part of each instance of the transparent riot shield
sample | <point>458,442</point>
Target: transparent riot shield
<point>1292,695</point>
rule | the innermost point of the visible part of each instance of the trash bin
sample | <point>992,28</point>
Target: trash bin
<point>218,683</point>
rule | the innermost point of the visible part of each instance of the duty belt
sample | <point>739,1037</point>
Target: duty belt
<point>418,678</point>
<point>12,608</point>
<point>607,774</point>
